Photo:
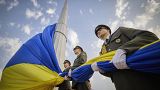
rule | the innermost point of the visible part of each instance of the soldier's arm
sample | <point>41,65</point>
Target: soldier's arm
<point>138,38</point>
<point>83,58</point>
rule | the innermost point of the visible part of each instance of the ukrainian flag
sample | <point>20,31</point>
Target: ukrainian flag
<point>34,66</point>
<point>146,59</point>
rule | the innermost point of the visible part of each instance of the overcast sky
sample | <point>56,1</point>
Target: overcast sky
<point>22,19</point>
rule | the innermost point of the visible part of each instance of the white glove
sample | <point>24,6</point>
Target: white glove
<point>119,59</point>
<point>96,68</point>
<point>70,72</point>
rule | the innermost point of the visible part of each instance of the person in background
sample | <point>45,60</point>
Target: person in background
<point>66,83</point>
<point>81,59</point>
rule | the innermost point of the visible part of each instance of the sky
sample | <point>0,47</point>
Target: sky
<point>22,19</point>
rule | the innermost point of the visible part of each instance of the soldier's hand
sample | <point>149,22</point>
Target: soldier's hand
<point>119,59</point>
<point>67,78</point>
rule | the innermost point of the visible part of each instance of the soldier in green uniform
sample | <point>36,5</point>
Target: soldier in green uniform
<point>66,84</point>
<point>81,59</point>
<point>126,41</point>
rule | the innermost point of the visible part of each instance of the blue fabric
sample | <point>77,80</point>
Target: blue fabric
<point>38,50</point>
<point>63,74</point>
<point>144,60</point>
<point>82,74</point>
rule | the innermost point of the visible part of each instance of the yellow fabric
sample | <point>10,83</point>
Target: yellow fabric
<point>29,77</point>
<point>150,44</point>
<point>108,56</point>
<point>105,57</point>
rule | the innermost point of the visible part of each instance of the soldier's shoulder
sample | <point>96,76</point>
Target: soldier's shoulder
<point>120,29</point>
<point>128,30</point>
<point>84,53</point>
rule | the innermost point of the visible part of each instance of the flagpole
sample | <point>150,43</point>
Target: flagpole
<point>60,37</point>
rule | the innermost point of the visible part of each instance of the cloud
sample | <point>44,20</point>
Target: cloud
<point>33,14</point>
<point>72,41</point>
<point>8,47</point>
<point>91,11</point>
<point>114,25</point>
<point>18,25</point>
<point>35,3</point>
<point>155,30</point>
<point>128,23</point>
<point>13,4</point>
<point>50,11</point>
<point>53,2</point>
<point>121,5</point>
<point>81,12</point>
<point>99,0</point>
<point>27,29</point>
<point>97,44</point>
<point>151,9</point>
<point>45,21</point>
<point>73,38</point>
<point>11,23</point>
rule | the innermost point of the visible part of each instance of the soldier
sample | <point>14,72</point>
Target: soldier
<point>126,41</point>
<point>81,59</point>
<point>66,84</point>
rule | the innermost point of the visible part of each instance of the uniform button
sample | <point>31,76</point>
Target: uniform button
<point>118,40</point>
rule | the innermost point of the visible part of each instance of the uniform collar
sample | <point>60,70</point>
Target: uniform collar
<point>79,55</point>
<point>107,40</point>
<point>116,34</point>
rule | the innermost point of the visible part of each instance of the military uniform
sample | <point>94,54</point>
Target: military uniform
<point>81,59</point>
<point>66,84</point>
<point>130,40</point>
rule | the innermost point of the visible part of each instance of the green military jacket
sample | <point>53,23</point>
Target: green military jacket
<point>81,59</point>
<point>128,39</point>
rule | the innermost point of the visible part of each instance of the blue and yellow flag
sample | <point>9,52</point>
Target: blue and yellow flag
<point>34,66</point>
<point>146,59</point>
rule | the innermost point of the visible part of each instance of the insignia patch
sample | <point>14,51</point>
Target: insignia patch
<point>118,40</point>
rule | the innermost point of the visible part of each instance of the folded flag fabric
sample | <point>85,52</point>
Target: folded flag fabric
<point>34,66</point>
<point>146,59</point>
